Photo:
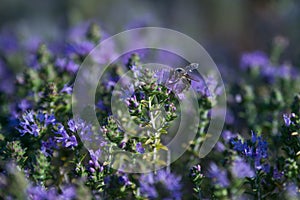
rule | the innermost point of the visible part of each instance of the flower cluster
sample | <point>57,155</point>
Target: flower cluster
<point>256,149</point>
<point>47,153</point>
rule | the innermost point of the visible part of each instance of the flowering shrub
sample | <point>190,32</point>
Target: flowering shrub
<point>43,155</point>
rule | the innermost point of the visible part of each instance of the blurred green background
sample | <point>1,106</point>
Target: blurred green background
<point>225,28</point>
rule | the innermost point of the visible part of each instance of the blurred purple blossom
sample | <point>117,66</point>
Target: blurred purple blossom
<point>68,193</point>
<point>6,79</point>
<point>162,185</point>
<point>82,49</point>
<point>67,64</point>
<point>267,70</point>
<point>227,135</point>
<point>220,147</point>
<point>292,191</point>
<point>242,169</point>
<point>67,89</point>
<point>48,147</point>
<point>40,193</point>
<point>277,174</point>
<point>24,104</point>
<point>287,119</point>
<point>218,175</point>
<point>210,88</point>
<point>123,180</point>
<point>139,148</point>
<point>254,59</point>
<point>8,42</point>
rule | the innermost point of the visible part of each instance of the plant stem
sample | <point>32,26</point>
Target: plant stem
<point>152,121</point>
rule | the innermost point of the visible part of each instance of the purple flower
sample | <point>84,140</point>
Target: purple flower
<point>67,89</point>
<point>40,117</point>
<point>40,193</point>
<point>46,119</point>
<point>292,191</point>
<point>123,180</point>
<point>254,59</point>
<point>284,71</point>
<point>94,162</point>
<point>196,171</point>
<point>277,174</point>
<point>28,125</point>
<point>256,149</point>
<point>219,176</point>
<point>8,42</point>
<point>228,135</point>
<point>68,193</point>
<point>162,185</point>
<point>24,105</point>
<point>139,148</point>
<point>220,147</point>
<point>72,125</point>
<point>48,147</point>
<point>61,62</point>
<point>101,105</point>
<point>208,87</point>
<point>287,119</point>
<point>50,119</point>
<point>7,80</point>
<point>84,130</point>
<point>67,64</point>
<point>80,48</point>
<point>241,169</point>
<point>66,139</point>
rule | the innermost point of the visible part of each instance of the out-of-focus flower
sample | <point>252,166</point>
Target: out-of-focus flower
<point>67,89</point>
<point>292,191</point>
<point>8,42</point>
<point>82,49</point>
<point>162,185</point>
<point>48,147</point>
<point>24,105</point>
<point>67,64</point>
<point>277,174</point>
<point>39,193</point>
<point>220,147</point>
<point>218,175</point>
<point>242,169</point>
<point>227,135</point>
<point>207,88</point>
<point>254,59</point>
<point>68,193</point>
<point>123,180</point>
<point>140,148</point>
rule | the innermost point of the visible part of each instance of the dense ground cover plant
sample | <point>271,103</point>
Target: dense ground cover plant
<point>42,144</point>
